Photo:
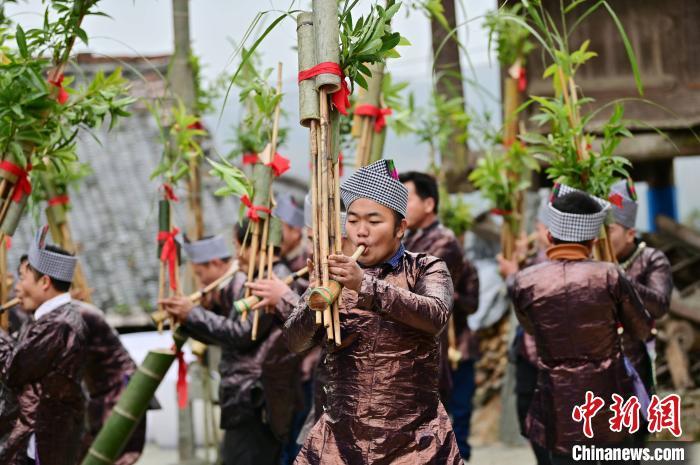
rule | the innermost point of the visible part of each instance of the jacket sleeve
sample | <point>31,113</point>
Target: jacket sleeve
<point>33,356</point>
<point>232,332</point>
<point>514,292</point>
<point>656,292</point>
<point>633,317</point>
<point>467,291</point>
<point>427,309</point>
<point>300,327</point>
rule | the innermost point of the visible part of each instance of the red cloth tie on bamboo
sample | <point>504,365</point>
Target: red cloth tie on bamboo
<point>254,209</point>
<point>379,115</point>
<point>196,125</point>
<point>279,164</point>
<point>8,242</point>
<point>522,79</point>
<point>181,378</point>
<point>340,98</point>
<point>170,193</point>
<point>22,186</point>
<point>168,253</point>
<point>62,96</point>
<point>250,158</point>
<point>499,211</point>
<point>59,200</point>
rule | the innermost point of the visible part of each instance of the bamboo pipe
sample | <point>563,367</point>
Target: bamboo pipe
<point>338,247</point>
<point>8,305</point>
<point>160,316</point>
<point>247,303</point>
<point>324,225</point>
<point>313,142</point>
<point>321,297</point>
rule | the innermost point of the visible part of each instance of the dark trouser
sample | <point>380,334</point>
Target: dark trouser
<point>460,405</point>
<point>250,443</point>
<point>291,449</point>
<point>525,384</point>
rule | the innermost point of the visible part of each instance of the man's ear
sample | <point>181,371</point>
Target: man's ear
<point>549,237</point>
<point>401,230</point>
<point>631,234</point>
<point>429,205</point>
<point>45,283</point>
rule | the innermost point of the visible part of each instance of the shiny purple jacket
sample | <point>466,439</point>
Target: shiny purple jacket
<point>382,403</point>
<point>573,308</point>
<point>45,371</point>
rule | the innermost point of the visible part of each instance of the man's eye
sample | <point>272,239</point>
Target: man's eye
<point>375,222</point>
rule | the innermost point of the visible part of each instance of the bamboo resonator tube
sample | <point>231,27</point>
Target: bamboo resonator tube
<point>247,304</point>
<point>322,297</point>
<point>133,403</point>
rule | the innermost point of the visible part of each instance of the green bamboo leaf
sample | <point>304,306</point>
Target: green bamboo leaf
<point>21,42</point>
<point>628,48</point>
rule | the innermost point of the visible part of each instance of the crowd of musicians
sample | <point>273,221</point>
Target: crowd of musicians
<point>396,391</point>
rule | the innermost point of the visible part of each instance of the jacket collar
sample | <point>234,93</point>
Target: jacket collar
<point>52,304</point>
<point>568,252</point>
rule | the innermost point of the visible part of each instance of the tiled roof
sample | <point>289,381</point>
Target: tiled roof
<point>114,212</point>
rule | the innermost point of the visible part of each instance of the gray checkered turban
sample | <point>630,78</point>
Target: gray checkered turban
<point>288,211</point>
<point>572,227</point>
<point>52,264</point>
<point>378,182</point>
<point>623,198</point>
<point>206,250</point>
<point>308,216</point>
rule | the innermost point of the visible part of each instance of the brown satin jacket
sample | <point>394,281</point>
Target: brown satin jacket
<point>382,403</point>
<point>573,307</point>
<point>45,371</point>
<point>108,369</point>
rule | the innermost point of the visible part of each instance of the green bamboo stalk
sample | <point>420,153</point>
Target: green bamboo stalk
<point>132,404</point>
<point>262,179</point>
<point>13,216</point>
<point>308,96</point>
<point>376,151</point>
<point>327,31</point>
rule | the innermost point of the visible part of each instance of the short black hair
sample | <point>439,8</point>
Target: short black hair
<point>426,186</point>
<point>576,203</point>
<point>245,237</point>
<point>239,232</point>
<point>60,286</point>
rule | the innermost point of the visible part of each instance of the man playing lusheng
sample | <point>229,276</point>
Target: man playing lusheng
<point>258,378</point>
<point>574,307</point>
<point>649,271</point>
<point>382,403</point>
<point>45,369</point>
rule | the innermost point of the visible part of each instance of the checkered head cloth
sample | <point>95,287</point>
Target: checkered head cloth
<point>572,227</point>
<point>378,182</point>
<point>206,250</point>
<point>52,264</point>
<point>288,211</point>
<point>308,218</point>
<point>623,198</point>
